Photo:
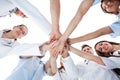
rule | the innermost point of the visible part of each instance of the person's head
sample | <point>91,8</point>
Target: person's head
<point>110,6</point>
<point>18,31</point>
<point>86,48</point>
<point>105,48</point>
<point>20,13</point>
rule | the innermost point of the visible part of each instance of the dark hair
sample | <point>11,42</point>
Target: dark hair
<point>105,10</point>
<point>116,70</point>
<point>85,45</point>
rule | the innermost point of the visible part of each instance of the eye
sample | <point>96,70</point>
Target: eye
<point>100,44</point>
<point>84,50</point>
<point>88,48</point>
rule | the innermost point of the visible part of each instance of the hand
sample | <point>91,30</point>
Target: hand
<point>54,35</point>
<point>58,46</point>
<point>52,54</point>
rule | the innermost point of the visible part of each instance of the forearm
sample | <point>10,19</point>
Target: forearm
<point>82,10</point>
<point>55,14</point>
<point>53,66</point>
<point>85,37</point>
<point>90,57</point>
<point>92,35</point>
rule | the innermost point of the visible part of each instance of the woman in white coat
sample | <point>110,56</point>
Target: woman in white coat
<point>10,46</point>
<point>96,69</point>
<point>110,50</point>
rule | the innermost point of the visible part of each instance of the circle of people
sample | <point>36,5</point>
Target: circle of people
<point>103,66</point>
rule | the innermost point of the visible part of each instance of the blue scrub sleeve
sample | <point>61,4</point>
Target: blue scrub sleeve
<point>115,28</point>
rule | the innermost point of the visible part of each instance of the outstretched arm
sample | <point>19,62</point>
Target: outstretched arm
<point>92,35</point>
<point>55,15</point>
<point>82,10</point>
<point>51,64</point>
<point>91,57</point>
<point>51,67</point>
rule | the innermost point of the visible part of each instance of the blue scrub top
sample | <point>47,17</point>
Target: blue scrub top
<point>28,69</point>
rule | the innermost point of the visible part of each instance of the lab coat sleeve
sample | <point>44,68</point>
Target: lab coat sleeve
<point>71,70</point>
<point>34,14</point>
<point>26,49</point>
<point>112,62</point>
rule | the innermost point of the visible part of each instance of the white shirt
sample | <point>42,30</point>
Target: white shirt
<point>62,75</point>
<point>93,71</point>
<point>11,47</point>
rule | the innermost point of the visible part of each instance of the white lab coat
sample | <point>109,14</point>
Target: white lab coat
<point>91,71</point>
<point>11,47</point>
<point>6,7</point>
<point>28,9</point>
<point>62,75</point>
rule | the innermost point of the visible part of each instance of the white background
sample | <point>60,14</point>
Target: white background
<point>93,20</point>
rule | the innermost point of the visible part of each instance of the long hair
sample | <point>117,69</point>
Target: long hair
<point>107,11</point>
<point>116,70</point>
<point>102,53</point>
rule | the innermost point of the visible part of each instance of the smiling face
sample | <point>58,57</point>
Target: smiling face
<point>104,47</point>
<point>111,6</point>
<point>19,31</point>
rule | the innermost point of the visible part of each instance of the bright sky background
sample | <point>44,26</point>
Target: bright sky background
<point>93,20</point>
